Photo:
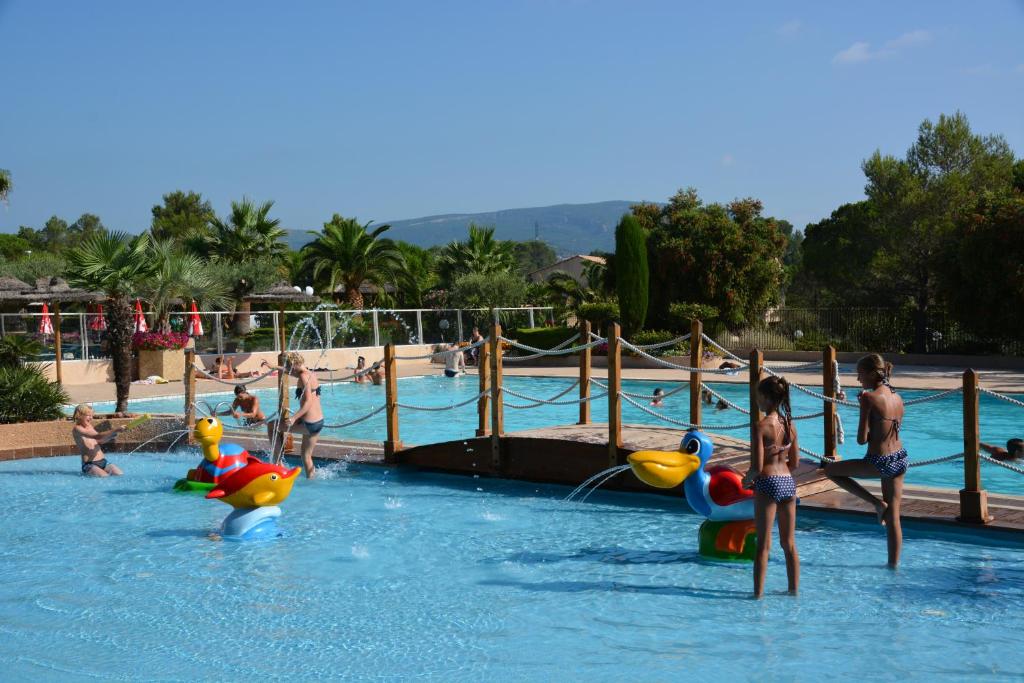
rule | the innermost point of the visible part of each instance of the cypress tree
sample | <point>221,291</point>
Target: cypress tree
<point>631,273</point>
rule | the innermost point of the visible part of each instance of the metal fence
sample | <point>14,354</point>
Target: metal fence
<point>863,329</point>
<point>83,339</point>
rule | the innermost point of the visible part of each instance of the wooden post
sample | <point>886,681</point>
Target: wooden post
<point>584,373</point>
<point>973,498</point>
<point>828,385</point>
<point>282,343</point>
<point>56,342</point>
<point>282,385</point>
<point>614,401</point>
<point>756,361</point>
<point>497,406</point>
<point>393,443</point>
<point>190,393</point>
<point>696,355</point>
<point>483,370</point>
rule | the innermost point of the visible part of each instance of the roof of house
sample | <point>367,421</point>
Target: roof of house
<point>584,257</point>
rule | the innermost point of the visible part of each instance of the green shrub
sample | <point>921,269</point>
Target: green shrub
<point>600,314</point>
<point>682,313</point>
<point>544,337</point>
<point>27,396</point>
<point>17,348</point>
<point>646,337</point>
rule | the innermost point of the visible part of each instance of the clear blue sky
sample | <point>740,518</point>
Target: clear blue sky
<point>402,109</point>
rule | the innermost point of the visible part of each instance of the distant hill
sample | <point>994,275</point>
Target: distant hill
<point>568,228</point>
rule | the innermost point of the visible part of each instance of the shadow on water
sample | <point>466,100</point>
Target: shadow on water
<point>179,533</point>
<point>42,473</point>
<point>610,555</point>
<point>134,492</point>
<point>619,587</point>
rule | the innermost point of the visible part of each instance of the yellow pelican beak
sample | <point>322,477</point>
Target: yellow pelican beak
<point>663,469</point>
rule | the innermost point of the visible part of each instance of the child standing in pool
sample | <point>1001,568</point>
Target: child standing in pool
<point>308,420</point>
<point>881,413</point>
<point>774,454</point>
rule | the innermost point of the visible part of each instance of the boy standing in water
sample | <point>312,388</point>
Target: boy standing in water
<point>88,440</point>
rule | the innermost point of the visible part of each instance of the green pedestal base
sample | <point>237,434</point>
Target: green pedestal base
<point>708,545</point>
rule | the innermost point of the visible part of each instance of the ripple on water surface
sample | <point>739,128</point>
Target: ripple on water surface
<point>394,576</point>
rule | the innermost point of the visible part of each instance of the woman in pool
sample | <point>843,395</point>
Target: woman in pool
<point>361,373</point>
<point>774,454</point>
<point>658,397</point>
<point>308,420</point>
<point>88,440</point>
<point>881,413</point>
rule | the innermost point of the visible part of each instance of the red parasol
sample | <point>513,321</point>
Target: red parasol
<point>195,325</point>
<point>140,318</point>
<point>98,322</point>
<point>46,322</point>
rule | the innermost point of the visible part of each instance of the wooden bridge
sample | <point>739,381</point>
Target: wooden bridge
<point>570,454</point>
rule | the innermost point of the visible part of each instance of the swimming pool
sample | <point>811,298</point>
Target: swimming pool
<point>387,575</point>
<point>930,430</point>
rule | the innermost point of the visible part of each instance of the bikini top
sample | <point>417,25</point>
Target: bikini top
<point>299,390</point>
<point>895,421</point>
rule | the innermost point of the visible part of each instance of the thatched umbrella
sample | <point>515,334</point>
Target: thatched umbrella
<point>282,294</point>
<point>57,291</point>
<point>11,291</point>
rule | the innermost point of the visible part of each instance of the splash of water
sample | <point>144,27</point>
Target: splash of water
<point>603,475</point>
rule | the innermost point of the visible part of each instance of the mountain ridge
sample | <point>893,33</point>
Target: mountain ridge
<point>568,228</point>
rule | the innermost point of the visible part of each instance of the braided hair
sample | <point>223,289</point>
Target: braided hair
<point>776,390</point>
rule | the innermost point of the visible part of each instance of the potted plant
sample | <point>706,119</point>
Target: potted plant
<point>160,353</point>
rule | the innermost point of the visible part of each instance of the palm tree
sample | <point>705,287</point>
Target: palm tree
<point>481,254</point>
<point>565,291</point>
<point>247,235</point>
<point>177,275</point>
<point>5,184</point>
<point>346,254</point>
<point>114,263</point>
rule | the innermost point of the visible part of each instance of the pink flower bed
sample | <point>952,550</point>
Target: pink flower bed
<point>159,341</point>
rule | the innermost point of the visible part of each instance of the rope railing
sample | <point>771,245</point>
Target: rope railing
<point>817,456</point>
<point>232,383</point>
<point>1012,468</point>
<point>932,397</point>
<point>667,364</point>
<point>447,352</point>
<point>540,355</point>
<point>688,425</point>
<point>934,461</point>
<point>556,351</point>
<point>1002,397</point>
<point>661,345</point>
<point>663,396</point>
<point>727,402</point>
<point>452,406</point>
<point>357,420</point>
<point>539,402</point>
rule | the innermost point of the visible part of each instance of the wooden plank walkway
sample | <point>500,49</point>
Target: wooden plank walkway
<point>922,504</point>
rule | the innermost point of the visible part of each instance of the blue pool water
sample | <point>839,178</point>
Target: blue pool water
<point>386,575</point>
<point>930,429</point>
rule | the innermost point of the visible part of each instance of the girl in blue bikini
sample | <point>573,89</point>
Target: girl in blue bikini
<point>774,455</point>
<point>881,413</point>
